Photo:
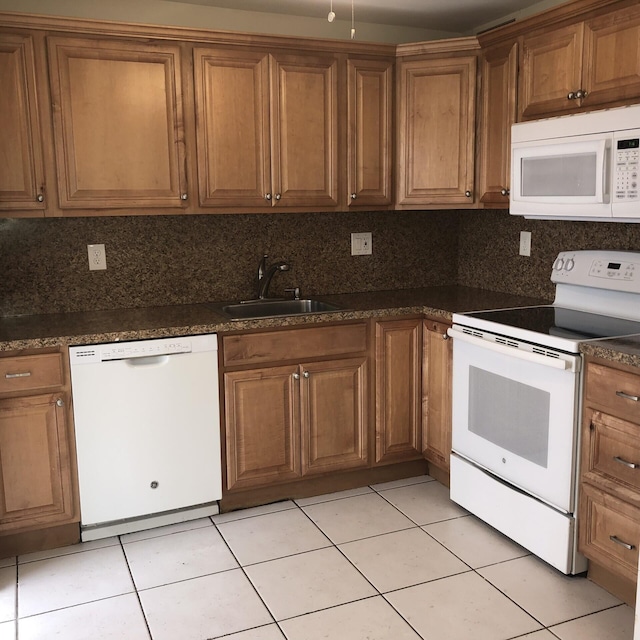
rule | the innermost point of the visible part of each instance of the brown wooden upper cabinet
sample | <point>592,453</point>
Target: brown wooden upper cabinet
<point>22,181</point>
<point>369,138</point>
<point>497,114</point>
<point>118,124</point>
<point>588,64</point>
<point>436,131</point>
<point>267,130</point>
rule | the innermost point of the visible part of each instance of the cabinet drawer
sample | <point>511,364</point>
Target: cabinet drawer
<point>617,391</point>
<point>609,531</point>
<point>294,344</point>
<point>613,450</point>
<point>23,373</point>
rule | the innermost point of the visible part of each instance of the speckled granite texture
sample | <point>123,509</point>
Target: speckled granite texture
<point>621,350</point>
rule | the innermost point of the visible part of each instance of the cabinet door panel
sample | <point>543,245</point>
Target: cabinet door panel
<point>369,136</point>
<point>232,118</point>
<point>437,131</point>
<point>398,390</point>
<point>35,474</point>
<point>550,69</point>
<point>261,420</point>
<point>21,160</point>
<point>334,415</point>
<point>304,120</point>
<point>612,57</point>
<point>118,123</point>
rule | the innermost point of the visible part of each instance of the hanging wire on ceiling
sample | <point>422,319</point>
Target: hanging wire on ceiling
<point>353,22</point>
<point>332,16</point>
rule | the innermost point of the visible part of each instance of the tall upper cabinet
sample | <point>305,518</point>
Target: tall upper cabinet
<point>22,180</point>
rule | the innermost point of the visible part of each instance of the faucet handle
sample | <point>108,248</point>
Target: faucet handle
<point>295,291</point>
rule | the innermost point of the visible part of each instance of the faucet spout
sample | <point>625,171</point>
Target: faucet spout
<point>267,275</point>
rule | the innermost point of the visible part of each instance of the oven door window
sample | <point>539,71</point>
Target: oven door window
<point>517,419</point>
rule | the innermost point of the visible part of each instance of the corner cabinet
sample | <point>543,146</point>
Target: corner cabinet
<point>267,129</point>
<point>436,104</point>
<point>118,124</point>
<point>587,64</point>
<point>296,403</point>
<point>22,180</point>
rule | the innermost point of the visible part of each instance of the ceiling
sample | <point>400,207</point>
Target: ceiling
<point>460,16</point>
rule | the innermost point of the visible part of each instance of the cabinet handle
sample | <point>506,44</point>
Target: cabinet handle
<point>445,336</point>
<point>60,402</point>
<point>354,196</point>
<point>184,196</point>
<point>305,374</point>
<point>40,198</point>
<point>626,545</point>
<point>467,193</point>
<point>278,196</point>
<point>631,465</point>
<point>296,376</point>
<point>571,95</point>
<point>504,192</point>
<point>267,196</point>
<point>581,93</point>
<point>22,374</point>
<point>627,396</point>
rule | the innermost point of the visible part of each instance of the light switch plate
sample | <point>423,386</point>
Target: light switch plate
<point>525,243</point>
<point>97,257</point>
<point>361,244</point>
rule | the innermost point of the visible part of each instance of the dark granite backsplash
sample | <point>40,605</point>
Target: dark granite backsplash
<point>165,260</point>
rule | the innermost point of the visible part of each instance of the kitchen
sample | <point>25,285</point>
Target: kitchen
<point>215,257</point>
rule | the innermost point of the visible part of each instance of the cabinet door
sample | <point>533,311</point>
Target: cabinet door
<point>550,70</point>
<point>499,91</point>
<point>369,142</point>
<point>21,159</point>
<point>118,124</point>
<point>398,390</point>
<point>436,131</point>
<point>232,119</point>
<point>35,467</point>
<point>611,70</point>
<point>262,409</point>
<point>334,420</point>
<point>436,377</point>
<point>304,121</point>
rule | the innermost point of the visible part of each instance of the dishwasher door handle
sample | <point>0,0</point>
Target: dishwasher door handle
<point>147,361</point>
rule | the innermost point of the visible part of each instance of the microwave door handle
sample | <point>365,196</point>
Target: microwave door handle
<point>513,352</point>
<point>602,170</point>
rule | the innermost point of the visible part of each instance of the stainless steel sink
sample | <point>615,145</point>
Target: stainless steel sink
<point>255,309</point>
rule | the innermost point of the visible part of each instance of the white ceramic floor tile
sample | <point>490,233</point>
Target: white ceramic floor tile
<point>157,532</point>
<point>269,632</point>
<point>538,635</point>
<point>424,503</point>
<point>358,517</point>
<point>475,542</point>
<point>180,556</point>
<point>547,594</point>
<point>8,589</point>
<point>308,582</point>
<point>373,619</point>
<point>206,607</point>
<point>118,618</point>
<point>8,630</point>
<point>459,608</point>
<point>404,482</point>
<point>7,562</point>
<point>253,511</point>
<point>72,579</point>
<point>69,549</point>
<point>327,497</point>
<point>271,536</point>
<point>612,624</point>
<point>402,559</point>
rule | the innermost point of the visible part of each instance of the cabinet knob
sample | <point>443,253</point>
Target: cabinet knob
<point>305,374</point>
<point>581,93</point>
<point>267,196</point>
<point>467,193</point>
<point>504,192</point>
<point>571,95</point>
<point>278,196</point>
<point>354,196</point>
<point>445,336</point>
<point>184,196</point>
<point>40,198</point>
<point>296,376</point>
<point>60,402</point>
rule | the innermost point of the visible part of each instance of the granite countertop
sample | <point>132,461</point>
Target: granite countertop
<point>92,327</point>
<point>622,350</point>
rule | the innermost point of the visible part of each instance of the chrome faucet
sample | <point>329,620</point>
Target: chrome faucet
<point>266,273</point>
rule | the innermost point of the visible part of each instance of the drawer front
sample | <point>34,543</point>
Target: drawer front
<point>609,531</point>
<point>614,450</point>
<point>24,373</point>
<point>617,391</point>
<point>294,344</point>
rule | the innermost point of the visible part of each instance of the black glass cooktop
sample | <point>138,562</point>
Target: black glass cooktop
<point>557,321</point>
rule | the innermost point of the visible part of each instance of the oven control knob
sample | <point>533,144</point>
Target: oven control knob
<point>559,264</point>
<point>569,264</point>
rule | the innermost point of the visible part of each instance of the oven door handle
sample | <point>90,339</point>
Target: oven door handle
<point>557,363</point>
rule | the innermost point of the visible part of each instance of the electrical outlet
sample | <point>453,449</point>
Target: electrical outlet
<point>97,257</point>
<point>361,244</point>
<point>525,243</point>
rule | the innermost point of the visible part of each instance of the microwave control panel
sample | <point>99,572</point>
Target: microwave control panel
<point>626,158</point>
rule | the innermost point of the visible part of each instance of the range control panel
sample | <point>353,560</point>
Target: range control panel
<point>614,270</point>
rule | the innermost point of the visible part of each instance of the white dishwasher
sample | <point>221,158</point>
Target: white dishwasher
<point>147,422</point>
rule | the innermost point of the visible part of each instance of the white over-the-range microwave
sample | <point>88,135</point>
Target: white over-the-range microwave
<point>578,167</point>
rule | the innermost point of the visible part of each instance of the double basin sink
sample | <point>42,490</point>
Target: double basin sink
<point>275,308</point>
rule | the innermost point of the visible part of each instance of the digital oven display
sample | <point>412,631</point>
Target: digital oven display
<point>633,143</point>
<point>614,265</point>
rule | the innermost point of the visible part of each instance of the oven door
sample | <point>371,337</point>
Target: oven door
<point>515,412</point>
